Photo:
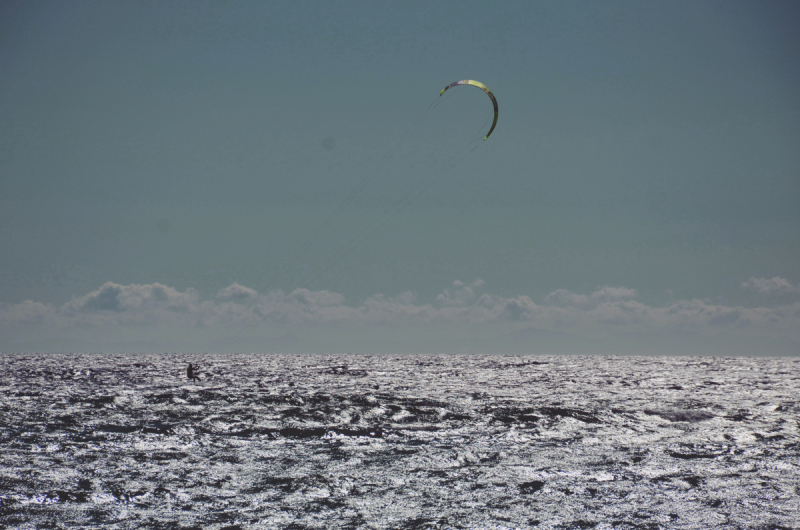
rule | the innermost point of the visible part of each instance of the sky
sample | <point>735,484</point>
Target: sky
<point>284,176</point>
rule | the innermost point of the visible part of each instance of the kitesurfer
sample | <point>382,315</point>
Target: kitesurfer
<point>190,373</point>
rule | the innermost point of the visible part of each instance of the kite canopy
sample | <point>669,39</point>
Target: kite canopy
<point>482,87</point>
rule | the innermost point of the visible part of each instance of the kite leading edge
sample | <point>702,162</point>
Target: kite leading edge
<point>482,87</point>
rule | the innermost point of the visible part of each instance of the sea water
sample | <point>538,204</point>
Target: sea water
<point>354,441</point>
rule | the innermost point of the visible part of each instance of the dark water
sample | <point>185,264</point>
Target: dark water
<point>336,441</point>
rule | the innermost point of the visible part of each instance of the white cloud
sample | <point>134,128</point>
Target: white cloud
<point>27,312</point>
<point>614,293</point>
<point>460,295</point>
<point>775,285</point>
<point>133,298</point>
<point>607,311</point>
<point>238,292</point>
<point>564,297</point>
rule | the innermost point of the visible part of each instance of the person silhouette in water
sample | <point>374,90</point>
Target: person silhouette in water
<point>190,373</point>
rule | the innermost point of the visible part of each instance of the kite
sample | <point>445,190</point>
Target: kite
<point>482,87</point>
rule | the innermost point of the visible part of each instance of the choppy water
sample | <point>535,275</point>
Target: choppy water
<point>336,441</point>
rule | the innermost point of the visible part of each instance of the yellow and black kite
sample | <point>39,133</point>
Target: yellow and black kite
<point>482,87</point>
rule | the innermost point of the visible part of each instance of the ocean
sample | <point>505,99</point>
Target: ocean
<point>398,442</point>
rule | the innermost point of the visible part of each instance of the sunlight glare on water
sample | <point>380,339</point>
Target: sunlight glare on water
<point>345,441</point>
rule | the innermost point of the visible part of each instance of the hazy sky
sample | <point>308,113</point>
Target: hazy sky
<point>642,186</point>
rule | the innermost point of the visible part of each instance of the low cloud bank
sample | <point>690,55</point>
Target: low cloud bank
<point>776,285</point>
<point>608,311</point>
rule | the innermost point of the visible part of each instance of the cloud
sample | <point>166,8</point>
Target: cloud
<point>130,304</point>
<point>460,295</point>
<point>133,298</point>
<point>238,292</point>
<point>776,285</point>
<point>566,298</point>
<point>605,312</point>
<point>27,312</point>
<point>614,293</point>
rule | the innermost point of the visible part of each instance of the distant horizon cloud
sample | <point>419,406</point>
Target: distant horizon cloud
<point>608,311</point>
<point>775,285</point>
<point>237,292</point>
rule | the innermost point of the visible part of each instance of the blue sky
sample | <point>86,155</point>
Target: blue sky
<point>645,151</point>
